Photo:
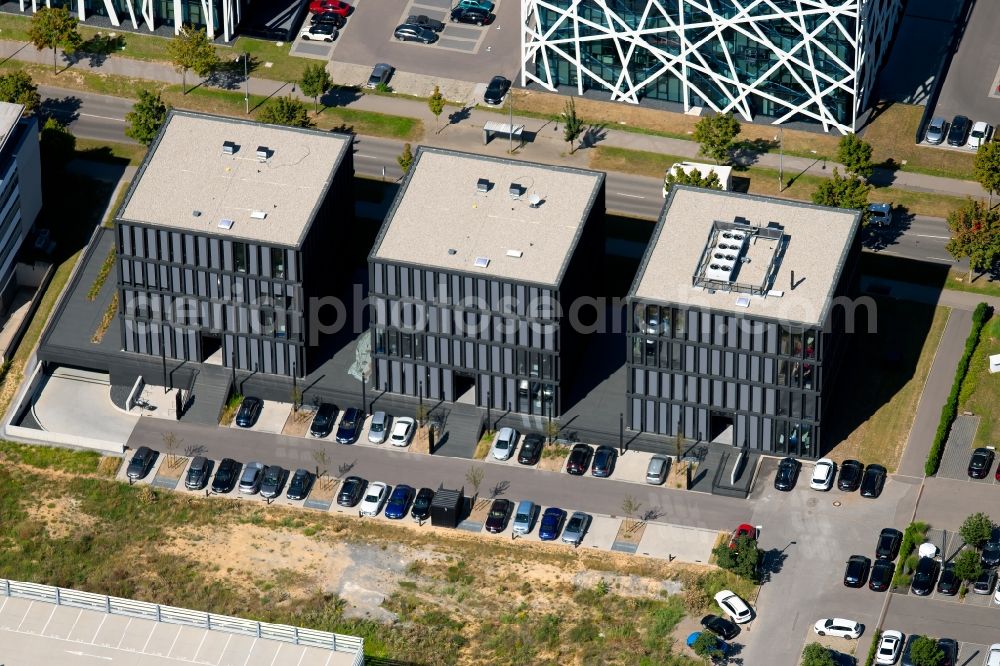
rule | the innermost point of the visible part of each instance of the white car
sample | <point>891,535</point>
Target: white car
<point>823,473</point>
<point>889,647</point>
<point>374,499</point>
<point>402,431</point>
<point>506,441</point>
<point>993,657</point>
<point>996,596</point>
<point>838,626</point>
<point>980,134</point>
<point>321,32</point>
<point>733,606</point>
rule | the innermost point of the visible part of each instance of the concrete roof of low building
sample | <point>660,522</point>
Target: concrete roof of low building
<point>10,114</point>
<point>817,242</point>
<point>441,219</point>
<point>188,182</point>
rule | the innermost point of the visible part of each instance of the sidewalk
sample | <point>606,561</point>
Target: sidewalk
<point>467,93</point>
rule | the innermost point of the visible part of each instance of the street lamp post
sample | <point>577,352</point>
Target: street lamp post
<point>163,357</point>
<point>246,80</point>
<point>364,392</point>
<point>621,433</point>
<point>489,404</point>
<point>420,408</point>
<point>510,135</point>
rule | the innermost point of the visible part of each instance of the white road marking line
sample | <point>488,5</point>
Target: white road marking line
<point>930,236</point>
<point>250,651</point>
<point>943,259</point>
<point>224,648</point>
<point>73,628</point>
<point>204,635</point>
<point>28,610</point>
<point>91,115</point>
<point>301,657</point>
<point>280,645</point>
<point>179,630</point>
<point>54,609</point>
<point>150,637</point>
<point>124,633</point>
<point>633,196</point>
<point>103,620</point>
<point>87,654</point>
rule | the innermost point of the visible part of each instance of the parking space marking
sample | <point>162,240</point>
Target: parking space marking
<point>124,633</point>
<point>149,638</point>
<point>27,610</point>
<point>250,652</point>
<point>103,620</point>
<point>54,608</point>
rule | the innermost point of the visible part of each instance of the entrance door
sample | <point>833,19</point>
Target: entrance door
<point>720,428</point>
<point>465,388</point>
<point>211,348</point>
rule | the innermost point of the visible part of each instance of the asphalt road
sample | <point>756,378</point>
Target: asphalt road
<point>88,115</point>
<point>934,617</point>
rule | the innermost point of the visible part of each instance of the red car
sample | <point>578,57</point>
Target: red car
<point>742,530</point>
<point>329,6</point>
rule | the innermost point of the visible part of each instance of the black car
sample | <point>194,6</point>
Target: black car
<point>788,474</point>
<point>579,459</point>
<point>949,646</point>
<point>925,576</point>
<point>336,20</point>
<point>980,463</point>
<point>422,504</point>
<point>856,573</point>
<point>850,475</point>
<point>499,513</point>
<point>273,481</point>
<point>322,423</point>
<point>959,132</point>
<point>990,556</point>
<point>425,21</point>
<point>720,626</point>
<point>881,576</point>
<point>380,74</point>
<point>351,491</point>
<point>469,15</point>
<point>350,425</point>
<point>198,473</point>
<point>142,461</point>
<point>531,449</point>
<point>948,583</point>
<point>888,544</point>
<point>873,480</point>
<point>604,462</point>
<point>496,90</point>
<point>300,485</point>
<point>249,412</point>
<point>414,33</point>
<point>226,476</point>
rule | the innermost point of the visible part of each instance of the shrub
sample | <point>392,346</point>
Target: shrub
<point>876,635</point>
<point>912,535</point>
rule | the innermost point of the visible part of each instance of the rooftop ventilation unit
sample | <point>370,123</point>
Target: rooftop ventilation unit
<point>534,200</point>
<point>263,152</point>
<point>743,301</point>
<point>225,223</point>
<point>258,215</point>
<point>452,250</point>
<point>229,147</point>
<point>196,213</point>
<point>517,254</point>
<point>516,190</point>
<point>482,262</point>
<point>483,185</point>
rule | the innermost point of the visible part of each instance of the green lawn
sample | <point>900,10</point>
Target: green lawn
<point>980,392</point>
<point>99,150</point>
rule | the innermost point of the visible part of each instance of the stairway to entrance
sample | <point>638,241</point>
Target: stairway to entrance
<point>208,396</point>
<point>461,431</point>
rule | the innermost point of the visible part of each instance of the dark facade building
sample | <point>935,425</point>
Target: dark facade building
<point>467,275</point>
<point>736,320</point>
<point>20,191</point>
<point>225,236</point>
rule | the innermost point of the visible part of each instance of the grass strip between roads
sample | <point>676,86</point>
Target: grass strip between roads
<point>980,393</point>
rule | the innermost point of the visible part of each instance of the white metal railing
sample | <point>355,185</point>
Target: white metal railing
<point>168,614</point>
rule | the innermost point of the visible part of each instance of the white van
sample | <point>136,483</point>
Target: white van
<point>724,173</point>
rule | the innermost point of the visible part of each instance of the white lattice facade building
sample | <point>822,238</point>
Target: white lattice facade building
<point>785,60</point>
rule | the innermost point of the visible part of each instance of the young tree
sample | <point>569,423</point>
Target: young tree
<point>856,156</point>
<point>191,49</point>
<point>18,88</point>
<point>975,233</point>
<point>475,478</point>
<point>315,81</point>
<point>816,654</point>
<point>743,559</point>
<point>987,167</point>
<point>572,127</point>
<point>707,645</point>
<point>57,144</point>
<point>925,652</point>
<point>976,529</point>
<point>678,176</point>
<point>716,135</point>
<point>843,192</point>
<point>146,117</point>
<point>436,104</point>
<point>52,28</point>
<point>630,507</point>
<point>285,111</point>
<point>968,565</point>
<point>405,158</point>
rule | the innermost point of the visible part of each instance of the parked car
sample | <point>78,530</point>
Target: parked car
<point>656,470</point>
<point>788,473</point>
<point>300,485</point>
<point>925,577</point>
<point>249,412</point>
<point>505,443</point>
<point>719,644</point>
<point>524,517</point>
<point>733,606</point>
<point>350,425</point>
<point>850,475</point>
<point>425,21</point>
<point>225,476</point>
<point>333,6</point>
<point>993,656</point>
<point>551,525</point>
<point>872,481</point>
<point>856,574</point>
<point>889,647</point>
<point>422,504</point>
<point>379,428</point>
<point>469,15</point>
<point>141,463</point>
<point>721,626</point>
<point>604,462</point>
<point>399,502</point>
<point>981,462</point>
<point>273,481</point>
<point>838,626</point>
<point>485,5</point>
<point>743,530</point>
<point>823,474</point>
<point>880,215</point>
<point>322,424</point>
<point>888,543</point>
<point>402,431</point>
<point>251,479</point>
<point>374,499</point>
<point>986,581</point>
<point>319,32</point>
<point>496,90</point>
<point>198,473</point>
<point>351,491</point>
<point>881,575</point>
<point>936,131</point>
<point>531,449</point>
<point>333,18</point>
<point>579,459</point>
<point>576,528</point>
<point>948,582</point>
<point>990,557</point>
<point>381,73</point>
<point>907,648</point>
<point>959,131</point>
<point>496,521</point>
<point>980,134</point>
<point>414,33</point>
<point>949,646</point>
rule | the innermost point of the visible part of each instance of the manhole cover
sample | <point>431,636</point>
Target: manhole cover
<point>837,503</point>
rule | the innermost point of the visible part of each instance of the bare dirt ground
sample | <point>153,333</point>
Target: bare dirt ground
<point>62,517</point>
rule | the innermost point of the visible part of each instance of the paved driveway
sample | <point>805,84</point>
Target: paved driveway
<point>78,402</point>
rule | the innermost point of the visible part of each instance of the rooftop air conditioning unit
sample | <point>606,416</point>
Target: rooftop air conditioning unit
<point>229,147</point>
<point>483,185</point>
<point>263,152</point>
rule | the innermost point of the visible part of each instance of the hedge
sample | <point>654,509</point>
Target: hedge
<point>876,635</point>
<point>913,534</point>
<point>950,409</point>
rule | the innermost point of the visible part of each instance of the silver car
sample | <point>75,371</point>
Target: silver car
<point>576,528</point>
<point>524,517</point>
<point>253,474</point>
<point>505,444</point>
<point>937,129</point>
<point>656,470</point>
<point>379,428</point>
